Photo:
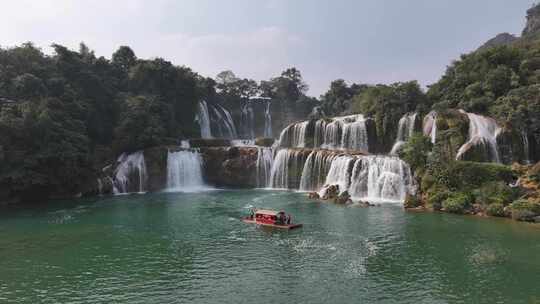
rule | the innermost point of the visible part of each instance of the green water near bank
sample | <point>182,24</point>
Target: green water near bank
<point>192,248</point>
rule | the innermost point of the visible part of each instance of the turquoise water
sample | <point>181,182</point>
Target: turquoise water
<point>192,248</point>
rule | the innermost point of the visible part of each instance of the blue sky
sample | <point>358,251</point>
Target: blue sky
<point>362,41</point>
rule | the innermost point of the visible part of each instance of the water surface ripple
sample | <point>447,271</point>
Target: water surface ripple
<point>192,248</point>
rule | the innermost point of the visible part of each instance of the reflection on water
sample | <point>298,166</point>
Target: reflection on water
<point>192,248</point>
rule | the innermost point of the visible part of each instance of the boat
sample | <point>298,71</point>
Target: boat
<point>270,218</point>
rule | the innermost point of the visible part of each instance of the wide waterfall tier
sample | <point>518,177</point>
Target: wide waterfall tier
<point>184,171</point>
<point>405,131</point>
<point>365,177</point>
<point>483,132</point>
<point>339,133</point>
<point>429,127</point>
<point>130,174</point>
<point>215,121</point>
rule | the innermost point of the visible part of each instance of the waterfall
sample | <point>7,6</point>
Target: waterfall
<point>482,131</point>
<point>294,135</point>
<point>405,131</point>
<point>526,149</point>
<point>203,117</point>
<point>224,122</point>
<point>316,168</point>
<point>381,178</point>
<point>340,173</point>
<point>100,187</point>
<point>247,120</point>
<point>130,174</point>
<point>184,171</point>
<point>184,144</point>
<point>242,142</point>
<point>221,119</point>
<point>355,136</point>
<point>268,120</point>
<point>264,166</point>
<point>339,133</point>
<point>369,178</point>
<point>332,135</point>
<point>286,169</point>
<point>430,126</point>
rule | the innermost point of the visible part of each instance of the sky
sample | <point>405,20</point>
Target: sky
<point>361,41</point>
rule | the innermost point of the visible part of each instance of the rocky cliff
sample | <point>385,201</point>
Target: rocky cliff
<point>533,21</point>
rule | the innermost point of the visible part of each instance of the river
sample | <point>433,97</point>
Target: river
<point>192,248</point>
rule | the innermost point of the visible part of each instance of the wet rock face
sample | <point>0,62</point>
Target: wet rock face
<point>343,198</point>
<point>230,166</point>
<point>477,150</point>
<point>156,167</point>
<point>511,147</point>
<point>330,192</point>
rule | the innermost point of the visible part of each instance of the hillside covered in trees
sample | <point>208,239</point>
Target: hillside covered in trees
<point>62,116</point>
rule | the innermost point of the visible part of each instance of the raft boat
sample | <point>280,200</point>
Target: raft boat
<point>270,218</point>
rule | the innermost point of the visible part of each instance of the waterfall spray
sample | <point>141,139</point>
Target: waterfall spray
<point>482,131</point>
<point>130,174</point>
<point>184,171</point>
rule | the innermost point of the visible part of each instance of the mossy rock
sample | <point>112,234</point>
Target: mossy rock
<point>412,201</point>
<point>523,210</point>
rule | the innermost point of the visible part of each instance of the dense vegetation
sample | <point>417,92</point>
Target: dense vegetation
<point>62,116</point>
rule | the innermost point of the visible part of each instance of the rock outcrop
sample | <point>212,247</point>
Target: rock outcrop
<point>533,21</point>
<point>230,166</point>
<point>499,40</point>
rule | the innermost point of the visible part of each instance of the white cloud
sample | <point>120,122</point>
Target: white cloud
<point>255,54</point>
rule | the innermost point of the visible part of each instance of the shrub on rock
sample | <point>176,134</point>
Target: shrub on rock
<point>495,209</point>
<point>457,203</point>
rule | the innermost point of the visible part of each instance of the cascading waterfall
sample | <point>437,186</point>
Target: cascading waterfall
<point>219,116</point>
<point>430,126</point>
<point>224,122</point>
<point>247,120</point>
<point>184,171</point>
<point>130,174</point>
<point>332,134</point>
<point>405,131</point>
<point>339,133</point>
<point>316,168</point>
<point>369,178</point>
<point>203,117</point>
<point>482,131</point>
<point>294,135</point>
<point>381,178</point>
<point>286,169</point>
<point>268,120</point>
<point>264,166</point>
<point>340,173</point>
<point>355,136</point>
